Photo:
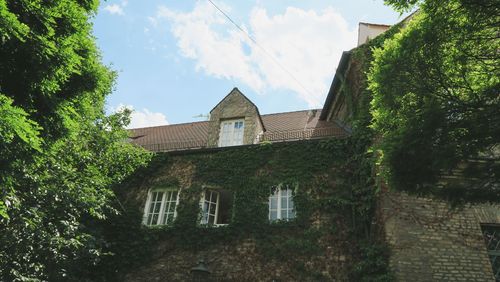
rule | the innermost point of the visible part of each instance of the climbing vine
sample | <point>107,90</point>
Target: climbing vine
<point>334,201</point>
<point>335,198</point>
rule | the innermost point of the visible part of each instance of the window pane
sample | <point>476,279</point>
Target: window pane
<point>151,207</point>
<point>206,206</point>
<point>157,207</point>
<point>159,196</point>
<point>161,208</point>
<point>273,203</point>
<point>231,133</point>
<point>155,219</point>
<point>281,204</point>
<point>491,234</point>
<point>273,215</point>
<point>284,213</point>
<point>238,133</point>
<point>284,202</point>
<point>212,209</point>
<point>209,207</point>
<point>169,207</point>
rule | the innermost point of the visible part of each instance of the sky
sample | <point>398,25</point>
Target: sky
<point>176,60</point>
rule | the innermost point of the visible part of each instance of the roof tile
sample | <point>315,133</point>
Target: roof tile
<point>279,127</point>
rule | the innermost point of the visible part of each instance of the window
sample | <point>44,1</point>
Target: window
<point>216,206</point>
<point>491,234</point>
<point>281,204</point>
<point>231,133</point>
<point>161,206</point>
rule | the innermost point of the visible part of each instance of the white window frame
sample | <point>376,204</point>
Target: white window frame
<point>232,140</point>
<point>278,193</point>
<point>217,208</point>
<point>163,204</point>
<point>202,205</point>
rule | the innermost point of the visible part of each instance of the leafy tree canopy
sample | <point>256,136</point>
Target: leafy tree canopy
<point>436,100</point>
<point>59,154</point>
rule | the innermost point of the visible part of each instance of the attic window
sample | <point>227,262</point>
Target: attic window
<point>231,132</point>
<point>161,206</point>
<point>281,205</point>
<point>216,206</point>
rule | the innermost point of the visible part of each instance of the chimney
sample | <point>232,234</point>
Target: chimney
<point>367,31</point>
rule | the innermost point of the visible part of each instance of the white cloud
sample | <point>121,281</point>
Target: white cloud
<point>307,43</point>
<point>144,118</point>
<point>217,54</point>
<point>115,9</point>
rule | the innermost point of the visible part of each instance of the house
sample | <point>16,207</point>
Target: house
<point>236,121</point>
<point>252,189</point>
<point>255,177</point>
<point>288,197</point>
<point>428,239</point>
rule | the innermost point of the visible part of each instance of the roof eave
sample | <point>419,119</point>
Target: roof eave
<point>341,69</point>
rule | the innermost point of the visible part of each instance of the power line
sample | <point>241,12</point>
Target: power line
<point>262,48</point>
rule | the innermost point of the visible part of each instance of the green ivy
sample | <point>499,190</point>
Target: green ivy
<point>333,178</point>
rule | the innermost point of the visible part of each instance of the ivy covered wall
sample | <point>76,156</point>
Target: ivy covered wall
<point>335,236</point>
<point>332,236</point>
<point>342,217</point>
<point>428,238</point>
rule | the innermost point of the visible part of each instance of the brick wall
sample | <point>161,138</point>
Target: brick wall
<point>429,241</point>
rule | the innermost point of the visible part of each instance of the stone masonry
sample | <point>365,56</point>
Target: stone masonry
<point>235,105</point>
<point>241,261</point>
<point>240,258</point>
<point>430,241</point>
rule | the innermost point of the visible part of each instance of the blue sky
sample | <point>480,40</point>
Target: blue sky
<point>178,59</point>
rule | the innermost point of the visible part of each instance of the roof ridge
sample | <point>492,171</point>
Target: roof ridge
<point>377,24</point>
<point>291,112</point>
<point>206,121</point>
<point>173,124</point>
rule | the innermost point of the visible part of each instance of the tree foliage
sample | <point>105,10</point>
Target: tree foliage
<point>436,100</point>
<point>59,154</point>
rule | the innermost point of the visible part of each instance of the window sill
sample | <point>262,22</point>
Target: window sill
<point>213,225</point>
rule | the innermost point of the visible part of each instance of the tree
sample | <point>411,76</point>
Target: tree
<point>436,100</point>
<point>60,155</point>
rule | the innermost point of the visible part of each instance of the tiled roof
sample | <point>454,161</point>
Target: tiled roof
<point>279,127</point>
<point>298,120</point>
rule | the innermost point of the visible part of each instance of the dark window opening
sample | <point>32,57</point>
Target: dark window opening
<point>491,235</point>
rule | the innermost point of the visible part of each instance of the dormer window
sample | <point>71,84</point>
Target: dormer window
<point>231,132</point>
